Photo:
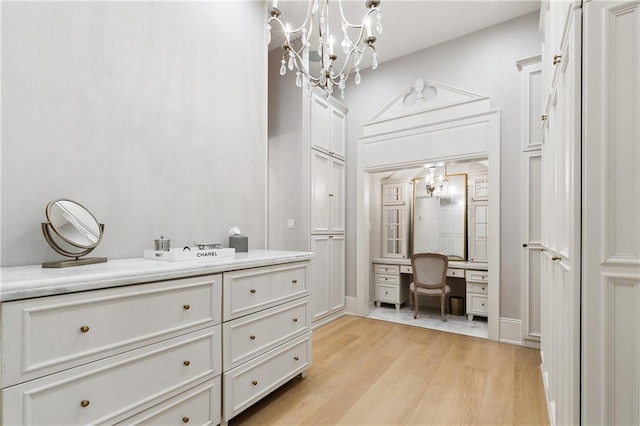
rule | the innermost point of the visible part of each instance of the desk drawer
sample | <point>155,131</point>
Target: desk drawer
<point>387,279</point>
<point>252,290</point>
<point>478,276</point>
<point>406,269</point>
<point>104,390</point>
<point>42,336</point>
<point>455,273</point>
<point>387,269</point>
<point>253,380</point>
<point>388,293</point>
<point>477,304</point>
<point>199,406</point>
<point>474,287</point>
<point>252,335</point>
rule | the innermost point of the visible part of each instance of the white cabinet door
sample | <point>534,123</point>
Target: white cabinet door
<point>479,231</point>
<point>611,214</point>
<point>560,228</point>
<point>327,194</point>
<point>327,126</point>
<point>327,275</point>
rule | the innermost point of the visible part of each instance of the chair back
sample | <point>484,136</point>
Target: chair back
<point>429,270</point>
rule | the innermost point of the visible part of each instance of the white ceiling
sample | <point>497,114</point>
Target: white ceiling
<point>412,25</point>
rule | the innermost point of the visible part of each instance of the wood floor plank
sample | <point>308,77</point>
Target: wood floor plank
<point>371,372</point>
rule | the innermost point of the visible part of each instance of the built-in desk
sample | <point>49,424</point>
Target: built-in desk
<point>391,281</point>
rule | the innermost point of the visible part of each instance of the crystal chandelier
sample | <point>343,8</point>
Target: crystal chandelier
<point>437,185</point>
<point>297,44</point>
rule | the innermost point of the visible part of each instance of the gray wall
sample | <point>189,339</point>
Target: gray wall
<point>151,114</point>
<point>483,63</point>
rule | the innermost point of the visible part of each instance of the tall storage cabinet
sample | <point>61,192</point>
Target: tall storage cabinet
<point>326,132</point>
<point>307,189</point>
<point>590,222</point>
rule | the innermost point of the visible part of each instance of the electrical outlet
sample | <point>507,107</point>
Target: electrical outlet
<point>291,224</point>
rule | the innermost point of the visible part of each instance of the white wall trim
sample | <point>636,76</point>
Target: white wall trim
<point>510,330</point>
<point>351,307</point>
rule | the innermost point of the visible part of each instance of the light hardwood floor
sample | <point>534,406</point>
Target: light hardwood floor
<point>372,372</point>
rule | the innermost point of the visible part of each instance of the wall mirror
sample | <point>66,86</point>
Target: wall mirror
<point>72,231</point>
<point>440,216</point>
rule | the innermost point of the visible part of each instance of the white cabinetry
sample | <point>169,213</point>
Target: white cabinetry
<point>266,329</point>
<point>326,132</point>
<point>395,219</point>
<point>328,271</point>
<point>560,224</point>
<point>389,286</point>
<point>104,356</point>
<point>477,294</point>
<point>327,194</point>
<point>478,238</point>
<point>611,214</point>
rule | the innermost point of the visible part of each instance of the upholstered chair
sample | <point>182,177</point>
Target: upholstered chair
<point>429,279</point>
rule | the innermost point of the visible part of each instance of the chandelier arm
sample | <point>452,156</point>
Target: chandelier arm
<point>349,24</point>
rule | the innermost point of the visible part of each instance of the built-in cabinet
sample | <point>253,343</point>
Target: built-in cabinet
<point>192,346</point>
<point>326,132</point>
<point>560,219</point>
<point>396,201</point>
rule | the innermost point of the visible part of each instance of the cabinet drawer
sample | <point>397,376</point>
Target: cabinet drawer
<point>456,273</point>
<point>477,304</point>
<point>478,276</point>
<point>252,290</point>
<point>387,279</point>
<point>474,287</point>
<point>246,384</point>
<point>199,406</point>
<point>103,391</point>
<point>387,269</point>
<point>406,269</point>
<point>46,335</point>
<point>388,293</point>
<point>252,335</point>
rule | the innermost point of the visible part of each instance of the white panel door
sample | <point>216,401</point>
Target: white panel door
<point>337,197</point>
<point>337,252</point>
<point>320,299</point>
<point>320,190</point>
<point>611,214</point>
<point>320,124</point>
<point>338,133</point>
<point>560,323</point>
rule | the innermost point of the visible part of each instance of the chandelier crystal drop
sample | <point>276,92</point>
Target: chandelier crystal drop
<point>356,39</point>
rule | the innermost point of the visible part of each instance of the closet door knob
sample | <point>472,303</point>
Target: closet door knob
<point>295,320</point>
<point>295,358</point>
<point>254,383</point>
<point>185,419</point>
<point>84,403</point>
<point>556,258</point>
<point>252,291</point>
<point>84,329</point>
<point>295,281</point>
<point>186,307</point>
<point>557,59</point>
<point>252,337</point>
<point>187,363</point>
<point>544,117</point>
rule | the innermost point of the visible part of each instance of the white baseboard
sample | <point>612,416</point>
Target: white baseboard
<point>510,331</point>
<point>350,305</point>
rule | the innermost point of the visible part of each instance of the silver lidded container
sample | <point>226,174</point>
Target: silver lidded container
<point>163,244</point>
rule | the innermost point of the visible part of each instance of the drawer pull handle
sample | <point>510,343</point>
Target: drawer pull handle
<point>186,307</point>
<point>187,363</point>
<point>252,337</point>
<point>84,328</point>
<point>557,59</point>
<point>483,277</point>
<point>254,383</point>
<point>295,281</point>
<point>483,289</point>
<point>185,419</point>
<point>252,291</point>
<point>84,403</point>
<point>556,258</point>
<point>295,320</point>
<point>295,358</point>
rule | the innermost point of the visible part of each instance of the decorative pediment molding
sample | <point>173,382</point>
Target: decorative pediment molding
<point>425,103</point>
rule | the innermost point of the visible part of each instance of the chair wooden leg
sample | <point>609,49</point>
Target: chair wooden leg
<point>442,299</point>
<point>415,304</point>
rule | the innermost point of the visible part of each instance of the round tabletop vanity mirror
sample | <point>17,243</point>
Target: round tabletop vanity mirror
<point>72,231</point>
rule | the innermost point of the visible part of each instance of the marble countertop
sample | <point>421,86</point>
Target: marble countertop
<point>455,264</point>
<point>24,282</point>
